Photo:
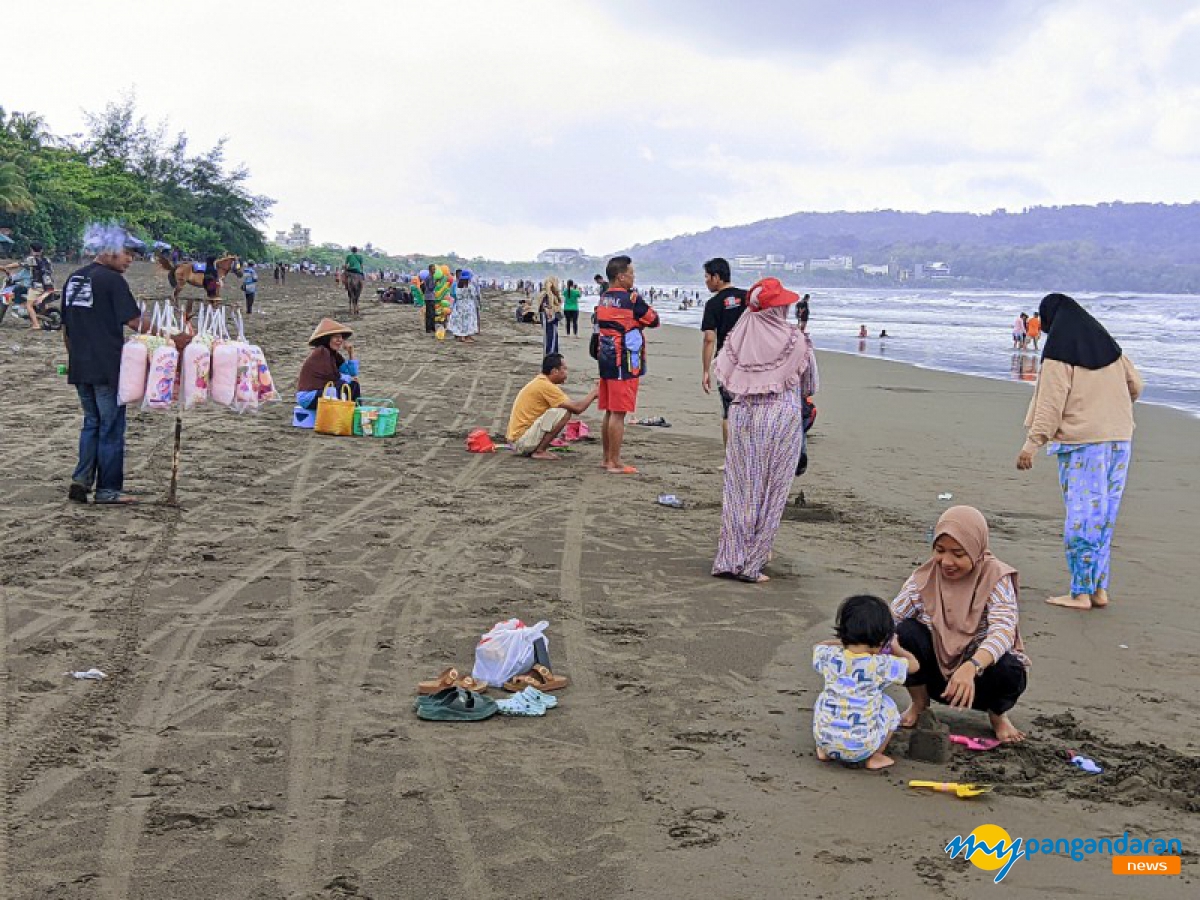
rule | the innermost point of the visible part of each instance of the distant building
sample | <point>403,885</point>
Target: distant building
<point>831,263</point>
<point>873,270</point>
<point>559,256</point>
<point>299,238</point>
<point>931,270</point>
<point>775,261</point>
<point>750,262</point>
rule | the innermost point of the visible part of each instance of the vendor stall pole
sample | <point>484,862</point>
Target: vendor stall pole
<point>171,499</point>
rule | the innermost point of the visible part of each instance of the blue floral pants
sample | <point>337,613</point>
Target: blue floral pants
<point>1093,479</point>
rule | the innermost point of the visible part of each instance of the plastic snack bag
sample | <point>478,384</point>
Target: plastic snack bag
<point>164,364</point>
<point>196,365</point>
<point>135,365</point>
<point>224,364</point>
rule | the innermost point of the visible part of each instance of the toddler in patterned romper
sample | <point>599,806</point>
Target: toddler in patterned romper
<point>853,718</point>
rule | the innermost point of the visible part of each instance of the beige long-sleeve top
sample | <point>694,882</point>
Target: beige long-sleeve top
<point>1074,405</point>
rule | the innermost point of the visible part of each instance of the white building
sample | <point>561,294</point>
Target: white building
<point>299,238</point>
<point>829,263</point>
<point>932,270</point>
<point>873,270</point>
<point>750,262</point>
<point>559,256</point>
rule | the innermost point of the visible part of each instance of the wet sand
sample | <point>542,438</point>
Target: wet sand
<point>255,738</point>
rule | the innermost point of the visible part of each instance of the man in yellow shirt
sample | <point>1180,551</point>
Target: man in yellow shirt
<point>542,410</point>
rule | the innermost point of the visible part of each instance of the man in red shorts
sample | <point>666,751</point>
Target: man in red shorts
<point>621,314</point>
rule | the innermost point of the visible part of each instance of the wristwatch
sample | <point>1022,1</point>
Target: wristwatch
<point>978,666</point>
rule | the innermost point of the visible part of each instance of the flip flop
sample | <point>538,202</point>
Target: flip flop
<point>119,500</point>
<point>974,743</point>
<point>443,681</point>
<point>624,470</point>
<point>455,705</point>
<point>538,677</point>
<point>450,678</point>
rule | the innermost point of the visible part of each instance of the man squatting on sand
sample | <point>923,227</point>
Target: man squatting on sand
<point>542,410</point>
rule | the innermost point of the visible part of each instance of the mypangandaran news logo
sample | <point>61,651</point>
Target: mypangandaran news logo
<point>990,848</point>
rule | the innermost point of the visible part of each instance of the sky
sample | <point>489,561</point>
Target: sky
<point>499,129</point>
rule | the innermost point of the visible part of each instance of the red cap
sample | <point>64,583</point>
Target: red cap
<point>768,293</point>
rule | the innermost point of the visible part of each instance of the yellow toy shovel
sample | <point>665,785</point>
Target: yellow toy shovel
<point>953,787</point>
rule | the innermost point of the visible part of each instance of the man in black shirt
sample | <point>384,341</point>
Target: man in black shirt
<point>721,313</point>
<point>97,305</point>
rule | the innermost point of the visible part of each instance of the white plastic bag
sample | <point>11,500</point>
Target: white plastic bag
<point>507,650</point>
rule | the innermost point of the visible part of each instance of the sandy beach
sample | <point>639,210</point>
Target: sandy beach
<point>255,738</point>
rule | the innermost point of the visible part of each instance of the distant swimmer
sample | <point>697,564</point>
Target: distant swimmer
<point>884,333</point>
<point>862,331</point>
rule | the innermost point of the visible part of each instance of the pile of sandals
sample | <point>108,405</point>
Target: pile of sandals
<point>453,697</point>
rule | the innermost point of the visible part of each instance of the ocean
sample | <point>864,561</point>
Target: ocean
<point>969,332</point>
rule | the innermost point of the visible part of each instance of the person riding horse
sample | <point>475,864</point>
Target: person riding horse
<point>210,277</point>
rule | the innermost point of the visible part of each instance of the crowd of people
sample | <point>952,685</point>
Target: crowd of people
<point>951,634</point>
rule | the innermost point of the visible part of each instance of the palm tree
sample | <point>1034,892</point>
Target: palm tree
<point>14,196</point>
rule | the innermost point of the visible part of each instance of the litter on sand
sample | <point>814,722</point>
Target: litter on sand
<point>1082,762</point>
<point>670,500</point>
<point>946,496</point>
<point>657,421</point>
<point>89,675</point>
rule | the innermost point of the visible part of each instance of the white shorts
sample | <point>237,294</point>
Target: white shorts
<point>542,426</point>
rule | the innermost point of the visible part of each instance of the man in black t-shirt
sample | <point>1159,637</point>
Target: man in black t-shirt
<point>97,305</point>
<point>721,313</point>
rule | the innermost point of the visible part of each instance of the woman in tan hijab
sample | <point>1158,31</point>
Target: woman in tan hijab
<point>957,614</point>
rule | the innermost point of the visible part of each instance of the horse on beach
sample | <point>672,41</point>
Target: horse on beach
<point>183,274</point>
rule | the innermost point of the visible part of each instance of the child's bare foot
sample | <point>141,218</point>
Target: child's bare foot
<point>822,755</point>
<point>542,454</point>
<point>908,718</point>
<point>1077,601</point>
<point>880,761</point>
<point>1006,731</point>
<point>1100,599</point>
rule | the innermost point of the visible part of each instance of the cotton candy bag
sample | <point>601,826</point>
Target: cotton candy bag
<point>224,365</point>
<point>196,364</point>
<point>164,365</point>
<point>135,363</point>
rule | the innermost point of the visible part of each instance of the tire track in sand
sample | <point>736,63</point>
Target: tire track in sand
<point>325,769</point>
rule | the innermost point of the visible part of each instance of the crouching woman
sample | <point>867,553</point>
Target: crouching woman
<point>957,614</point>
<point>331,360</point>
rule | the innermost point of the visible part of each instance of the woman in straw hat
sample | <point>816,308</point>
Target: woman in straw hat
<point>767,364</point>
<point>330,340</point>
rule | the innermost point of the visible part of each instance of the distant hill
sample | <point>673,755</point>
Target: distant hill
<point>1112,246</point>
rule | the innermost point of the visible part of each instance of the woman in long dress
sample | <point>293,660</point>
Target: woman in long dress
<point>464,317</point>
<point>767,364</point>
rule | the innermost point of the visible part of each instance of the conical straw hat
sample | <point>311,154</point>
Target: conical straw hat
<point>329,326</point>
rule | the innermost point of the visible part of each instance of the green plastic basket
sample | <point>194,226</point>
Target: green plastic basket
<point>383,424</point>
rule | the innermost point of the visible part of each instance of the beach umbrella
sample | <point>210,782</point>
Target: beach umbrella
<point>161,245</point>
<point>5,239</point>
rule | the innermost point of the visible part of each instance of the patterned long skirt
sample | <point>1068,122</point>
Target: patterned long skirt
<point>766,435</point>
<point>1092,477</point>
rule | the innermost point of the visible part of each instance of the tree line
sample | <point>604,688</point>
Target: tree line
<point>127,170</point>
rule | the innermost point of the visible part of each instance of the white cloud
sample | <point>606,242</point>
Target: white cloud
<point>499,129</point>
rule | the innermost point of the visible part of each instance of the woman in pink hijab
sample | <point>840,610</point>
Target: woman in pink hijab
<point>767,364</point>
<point>957,614</point>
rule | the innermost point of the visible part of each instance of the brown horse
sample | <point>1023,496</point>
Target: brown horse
<point>182,274</point>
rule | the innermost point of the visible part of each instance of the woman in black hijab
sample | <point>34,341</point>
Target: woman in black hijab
<point>1082,411</point>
